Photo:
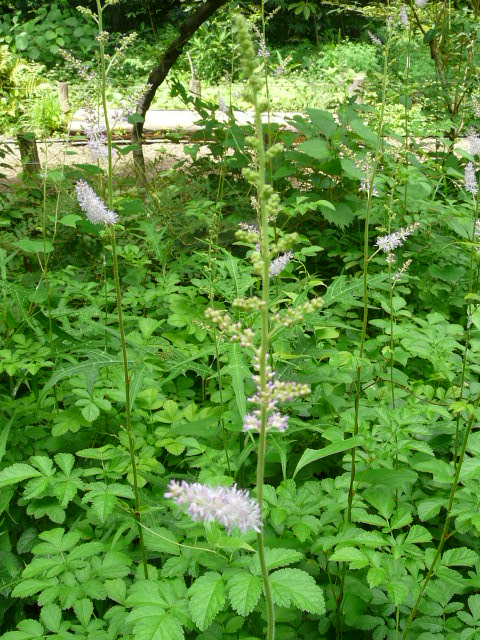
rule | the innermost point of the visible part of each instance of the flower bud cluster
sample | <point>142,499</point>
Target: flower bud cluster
<point>249,304</point>
<point>295,315</point>
<point>398,274</point>
<point>235,330</point>
<point>229,506</point>
<point>274,393</point>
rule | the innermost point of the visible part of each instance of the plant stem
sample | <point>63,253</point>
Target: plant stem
<point>131,443</point>
<point>358,391</point>
<point>444,535</point>
<point>263,355</point>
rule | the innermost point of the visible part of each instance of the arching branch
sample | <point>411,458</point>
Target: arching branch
<point>160,71</point>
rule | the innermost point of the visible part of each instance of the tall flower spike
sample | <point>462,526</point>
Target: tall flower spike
<point>93,206</point>
<point>229,506</point>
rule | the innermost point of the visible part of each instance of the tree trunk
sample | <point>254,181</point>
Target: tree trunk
<point>28,152</point>
<point>159,72</point>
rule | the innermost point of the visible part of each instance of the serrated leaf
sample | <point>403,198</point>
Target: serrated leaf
<point>83,610</point>
<point>32,586</point>
<point>459,557</point>
<point>296,587</point>
<point>244,591</point>
<point>275,558</point>
<point>207,597</point>
<point>315,148</point>
<point>116,590</point>
<point>16,473</point>
<point>397,591</point>
<point>350,554</point>
<point>51,617</point>
<point>90,411</point>
<point>27,630</point>
<point>160,539</point>
<point>418,534</point>
<point>391,478</point>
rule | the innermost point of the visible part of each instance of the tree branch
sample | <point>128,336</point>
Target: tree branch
<point>160,71</point>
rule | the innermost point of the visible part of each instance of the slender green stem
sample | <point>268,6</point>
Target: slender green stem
<point>444,535</point>
<point>131,443</point>
<point>263,355</point>
<point>358,380</point>
<point>44,267</point>
<point>264,192</point>
<point>392,345</point>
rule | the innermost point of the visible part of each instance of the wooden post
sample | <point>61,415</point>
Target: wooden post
<point>62,89</point>
<point>195,88</point>
<point>28,152</point>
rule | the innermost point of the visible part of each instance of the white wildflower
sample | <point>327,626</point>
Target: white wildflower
<point>421,4</point>
<point>389,243</point>
<point>404,17</point>
<point>471,179</point>
<point>229,506</point>
<point>474,141</point>
<point>375,39</point>
<point>93,206</point>
<point>279,264</point>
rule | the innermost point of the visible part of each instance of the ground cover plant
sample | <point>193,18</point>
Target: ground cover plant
<point>239,398</point>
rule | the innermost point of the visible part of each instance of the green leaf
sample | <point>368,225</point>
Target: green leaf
<point>51,616</point>
<point>296,587</point>
<point>135,118</point>
<point>70,220</point>
<point>4,437</point>
<point>34,246</point>
<point>312,455</point>
<point>207,597</point>
<point>365,133</point>
<point>90,411</point>
<point>350,554</point>
<point>83,610</point>
<point>323,120</point>
<point>459,557</point>
<point>244,591</point>
<point>27,630</point>
<point>418,534</point>
<point>239,372</point>
<point>161,540</point>
<point>315,148</point>
<point>275,558</point>
<point>442,471</point>
<point>342,217</point>
<point>162,626</point>
<point>16,473</point>
<point>398,591</point>
<point>391,478</point>
<point>474,606</point>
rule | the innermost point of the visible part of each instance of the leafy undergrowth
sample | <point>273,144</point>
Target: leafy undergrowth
<point>70,564</point>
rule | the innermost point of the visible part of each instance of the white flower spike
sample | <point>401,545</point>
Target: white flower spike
<point>93,206</point>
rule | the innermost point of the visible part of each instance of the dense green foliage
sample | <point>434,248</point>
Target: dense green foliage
<point>371,496</point>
